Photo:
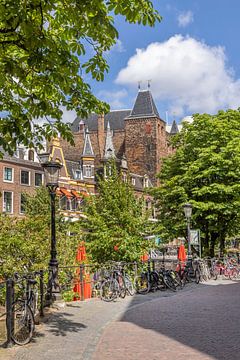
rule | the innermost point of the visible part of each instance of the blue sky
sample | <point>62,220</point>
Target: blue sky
<point>191,58</point>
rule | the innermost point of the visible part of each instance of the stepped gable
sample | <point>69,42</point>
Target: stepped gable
<point>114,117</point>
<point>144,106</point>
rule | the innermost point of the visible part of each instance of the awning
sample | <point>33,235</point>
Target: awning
<point>66,193</point>
<point>75,193</point>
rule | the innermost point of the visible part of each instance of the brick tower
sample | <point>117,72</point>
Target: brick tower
<point>145,137</point>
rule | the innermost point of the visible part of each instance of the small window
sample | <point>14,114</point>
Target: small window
<point>145,182</point>
<point>87,171</point>
<point>133,181</point>
<point>38,179</point>
<point>78,174</point>
<point>8,174</point>
<point>25,177</point>
<point>22,203</point>
<point>8,201</point>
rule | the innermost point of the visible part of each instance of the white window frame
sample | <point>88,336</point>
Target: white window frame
<point>8,181</point>
<point>88,171</point>
<point>133,181</point>
<point>4,205</point>
<point>78,175</point>
<point>145,182</point>
<point>29,178</point>
<point>35,179</point>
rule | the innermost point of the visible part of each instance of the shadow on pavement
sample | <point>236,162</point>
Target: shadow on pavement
<point>60,325</point>
<point>206,318</point>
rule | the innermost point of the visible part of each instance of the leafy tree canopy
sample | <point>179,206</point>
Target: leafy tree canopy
<point>25,242</point>
<point>46,48</point>
<point>115,223</point>
<point>204,170</point>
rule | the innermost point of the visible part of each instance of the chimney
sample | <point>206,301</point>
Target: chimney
<point>101,136</point>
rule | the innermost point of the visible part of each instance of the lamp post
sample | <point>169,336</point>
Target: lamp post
<point>188,213</point>
<point>51,171</point>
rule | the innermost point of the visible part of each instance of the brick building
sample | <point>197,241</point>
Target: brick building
<point>136,139</point>
<point>19,174</point>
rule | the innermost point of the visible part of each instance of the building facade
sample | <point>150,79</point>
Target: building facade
<point>137,140</point>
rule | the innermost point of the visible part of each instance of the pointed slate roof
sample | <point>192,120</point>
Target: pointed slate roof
<point>144,106</point>
<point>109,151</point>
<point>174,129</point>
<point>87,148</point>
<point>115,118</point>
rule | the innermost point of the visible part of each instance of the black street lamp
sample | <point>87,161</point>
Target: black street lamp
<point>188,213</point>
<point>51,171</point>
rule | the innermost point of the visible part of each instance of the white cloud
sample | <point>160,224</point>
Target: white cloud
<point>68,116</point>
<point>185,18</point>
<point>117,48</point>
<point>114,99</point>
<point>187,73</point>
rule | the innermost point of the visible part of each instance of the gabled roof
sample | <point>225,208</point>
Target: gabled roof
<point>114,117</point>
<point>87,148</point>
<point>144,106</point>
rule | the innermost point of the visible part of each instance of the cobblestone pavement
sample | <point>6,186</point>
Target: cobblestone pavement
<point>202,324</point>
<point>199,322</point>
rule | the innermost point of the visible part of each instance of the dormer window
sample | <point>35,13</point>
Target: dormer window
<point>78,174</point>
<point>133,181</point>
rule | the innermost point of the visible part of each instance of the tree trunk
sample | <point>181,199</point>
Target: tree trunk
<point>214,237</point>
<point>222,245</point>
<point>206,244</point>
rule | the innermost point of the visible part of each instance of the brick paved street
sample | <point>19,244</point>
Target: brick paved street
<point>199,323</point>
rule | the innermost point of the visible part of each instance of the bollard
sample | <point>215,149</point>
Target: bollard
<point>81,282</point>
<point>41,294</point>
<point>9,311</point>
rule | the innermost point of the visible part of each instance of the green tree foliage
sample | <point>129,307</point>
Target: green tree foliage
<point>204,170</point>
<point>115,223</point>
<point>46,50</point>
<point>25,242</point>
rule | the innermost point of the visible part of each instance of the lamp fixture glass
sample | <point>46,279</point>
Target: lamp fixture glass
<point>187,210</point>
<point>51,171</point>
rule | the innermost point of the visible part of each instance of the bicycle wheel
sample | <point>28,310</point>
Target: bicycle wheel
<point>197,276</point>
<point>142,284</point>
<point>169,282</point>
<point>23,324</point>
<point>109,290</point>
<point>129,286</point>
<point>122,287</point>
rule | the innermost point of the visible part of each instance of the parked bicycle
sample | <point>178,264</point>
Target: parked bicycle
<point>24,309</point>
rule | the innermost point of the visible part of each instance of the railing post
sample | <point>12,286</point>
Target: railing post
<point>135,269</point>
<point>153,264</point>
<point>41,293</point>
<point>81,281</point>
<point>9,311</point>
